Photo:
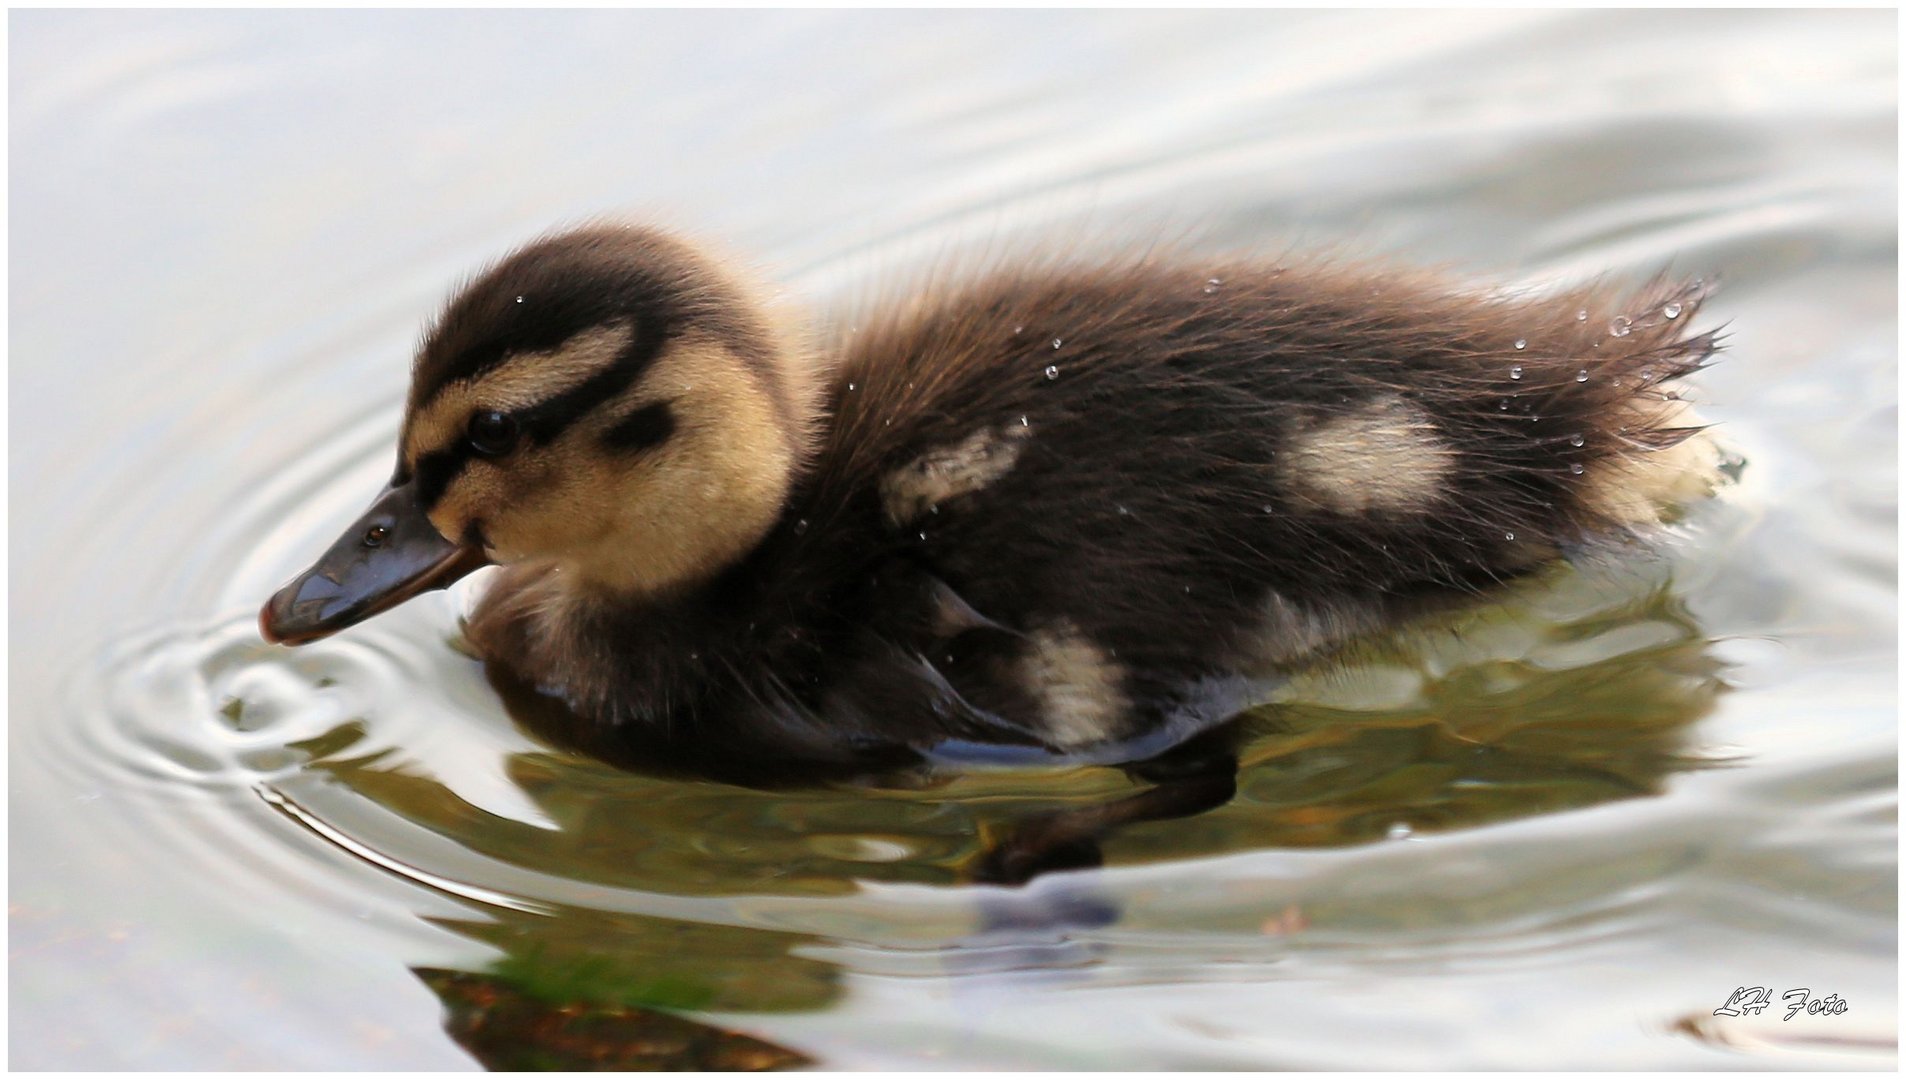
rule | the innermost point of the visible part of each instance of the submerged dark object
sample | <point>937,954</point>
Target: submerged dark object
<point>509,1030</point>
<point>1074,510</point>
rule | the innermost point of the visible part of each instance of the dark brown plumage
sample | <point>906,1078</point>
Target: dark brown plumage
<point>1069,509</point>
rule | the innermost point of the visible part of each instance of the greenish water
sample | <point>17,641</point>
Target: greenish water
<point>1556,831</point>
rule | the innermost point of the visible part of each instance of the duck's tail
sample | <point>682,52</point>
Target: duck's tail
<point>1660,455</point>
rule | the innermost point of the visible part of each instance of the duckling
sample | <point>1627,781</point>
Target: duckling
<point>1081,509</point>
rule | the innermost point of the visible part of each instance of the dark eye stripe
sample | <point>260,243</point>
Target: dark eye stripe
<point>544,421</point>
<point>436,469</point>
<point>648,426</point>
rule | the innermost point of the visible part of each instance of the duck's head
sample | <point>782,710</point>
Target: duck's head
<point>609,401</point>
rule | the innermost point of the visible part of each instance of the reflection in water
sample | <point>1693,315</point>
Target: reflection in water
<point>508,1029</point>
<point>1859,1040</point>
<point>1571,694</point>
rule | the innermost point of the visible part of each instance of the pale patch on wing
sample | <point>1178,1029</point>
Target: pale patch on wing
<point>949,472</point>
<point>1077,684</point>
<point>522,379</point>
<point>1638,486</point>
<point>1385,457</point>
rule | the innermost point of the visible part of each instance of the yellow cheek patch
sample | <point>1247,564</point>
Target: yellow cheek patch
<point>557,500</point>
<point>640,522</point>
<point>700,499</point>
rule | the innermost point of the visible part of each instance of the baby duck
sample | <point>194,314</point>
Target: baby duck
<point>1076,510</point>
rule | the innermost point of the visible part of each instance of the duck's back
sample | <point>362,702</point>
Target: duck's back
<point>1131,483</point>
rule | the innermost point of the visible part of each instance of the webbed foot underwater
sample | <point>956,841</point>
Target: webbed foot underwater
<point>1061,509</point>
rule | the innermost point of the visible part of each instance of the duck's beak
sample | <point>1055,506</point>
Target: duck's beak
<point>391,554</point>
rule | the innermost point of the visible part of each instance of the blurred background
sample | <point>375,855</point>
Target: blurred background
<point>1558,832</point>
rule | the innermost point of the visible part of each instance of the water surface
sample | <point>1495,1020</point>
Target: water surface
<point>1556,831</point>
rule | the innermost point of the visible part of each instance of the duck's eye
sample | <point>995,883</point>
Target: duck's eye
<point>493,434</point>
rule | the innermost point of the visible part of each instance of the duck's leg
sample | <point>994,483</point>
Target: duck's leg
<point>1190,779</point>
